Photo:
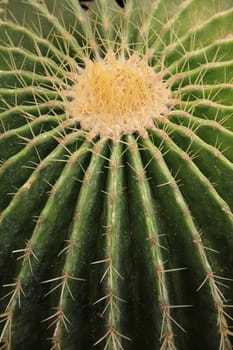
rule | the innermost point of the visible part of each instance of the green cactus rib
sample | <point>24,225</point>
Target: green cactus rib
<point>116,244</point>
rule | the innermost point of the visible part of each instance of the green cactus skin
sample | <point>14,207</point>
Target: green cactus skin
<point>116,244</point>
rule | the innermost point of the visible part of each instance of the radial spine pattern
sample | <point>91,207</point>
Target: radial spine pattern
<point>116,175</point>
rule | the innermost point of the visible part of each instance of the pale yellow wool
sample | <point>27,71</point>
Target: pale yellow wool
<point>117,96</point>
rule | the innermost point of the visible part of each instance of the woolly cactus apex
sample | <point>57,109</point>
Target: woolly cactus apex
<point>116,177</point>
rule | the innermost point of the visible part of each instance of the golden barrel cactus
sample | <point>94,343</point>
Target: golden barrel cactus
<point>116,175</point>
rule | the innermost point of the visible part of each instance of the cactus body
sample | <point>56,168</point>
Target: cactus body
<point>116,224</point>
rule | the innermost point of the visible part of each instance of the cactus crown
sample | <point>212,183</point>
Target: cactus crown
<point>117,96</point>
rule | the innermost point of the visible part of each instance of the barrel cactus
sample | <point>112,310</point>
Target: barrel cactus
<point>116,177</point>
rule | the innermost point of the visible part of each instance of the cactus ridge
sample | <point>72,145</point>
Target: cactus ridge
<point>125,242</point>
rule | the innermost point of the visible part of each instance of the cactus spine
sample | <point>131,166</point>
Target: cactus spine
<point>116,175</point>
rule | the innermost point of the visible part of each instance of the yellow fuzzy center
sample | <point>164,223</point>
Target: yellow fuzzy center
<point>115,96</point>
